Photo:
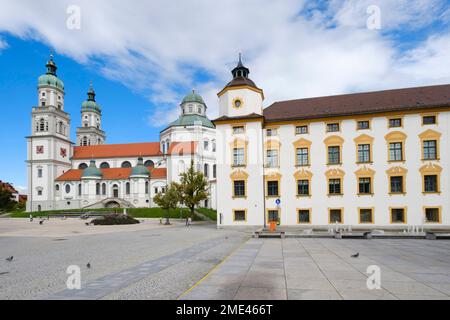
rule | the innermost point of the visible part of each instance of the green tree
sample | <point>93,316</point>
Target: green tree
<point>6,202</point>
<point>193,188</point>
<point>168,200</point>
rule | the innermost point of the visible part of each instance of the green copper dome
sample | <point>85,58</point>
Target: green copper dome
<point>50,78</point>
<point>193,97</point>
<point>90,104</point>
<point>140,169</point>
<point>92,171</point>
<point>190,120</point>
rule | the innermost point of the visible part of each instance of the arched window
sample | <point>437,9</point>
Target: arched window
<point>57,187</point>
<point>82,166</point>
<point>149,163</point>
<point>181,166</point>
<point>41,125</point>
<point>206,144</point>
<point>104,189</point>
<point>39,208</point>
<point>167,145</point>
<point>127,188</point>
<point>97,189</point>
<point>205,170</point>
<point>115,191</point>
<point>126,164</point>
<point>214,171</point>
<point>67,188</point>
<point>104,165</point>
<point>60,127</point>
<point>79,189</point>
<point>84,141</point>
<point>146,187</point>
<point>214,145</point>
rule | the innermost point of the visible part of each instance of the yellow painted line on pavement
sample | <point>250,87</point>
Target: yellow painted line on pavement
<point>212,269</point>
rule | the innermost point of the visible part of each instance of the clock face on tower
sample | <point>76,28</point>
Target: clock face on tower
<point>63,152</point>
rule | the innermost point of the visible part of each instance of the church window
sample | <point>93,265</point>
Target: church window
<point>97,189</point>
<point>57,187</point>
<point>127,188</point>
<point>43,103</point>
<point>39,192</point>
<point>206,145</point>
<point>199,110</point>
<point>104,189</point>
<point>205,170</point>
<point>41,125</point>
<point>67,188</point>
<point>43,94</point>
<point>104,165</point>
<point>79,189</point>
<point>190,109</point>
<point>126,164</point>
<point>39,173</point>
<point>84,141</point>
<point>149,163</point>
<point>214,171</point>
<point>82,166</point>
<point>146,187</point>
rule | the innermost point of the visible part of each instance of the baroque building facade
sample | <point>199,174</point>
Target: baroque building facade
<point>366,160</point>
<point>93,174</point>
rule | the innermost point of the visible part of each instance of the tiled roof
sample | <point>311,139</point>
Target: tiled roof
<point>360,103</point>
<point>117,150</point>
<point>180,148</point>
<point>244,117</point>
<point>7,186</point>
<point>111,174</point>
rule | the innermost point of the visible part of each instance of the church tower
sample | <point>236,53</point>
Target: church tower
<point>49,146</point>
<point>239,130</point>
<point>90,132</point>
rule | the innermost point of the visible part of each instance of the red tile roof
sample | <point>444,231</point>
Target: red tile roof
<point>117,150</point>
<point>7,186</point>
<point>180,148</point>
<point>111,174</point>
<point>360,103</point>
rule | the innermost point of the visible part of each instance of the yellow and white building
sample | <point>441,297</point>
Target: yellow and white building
<point>366,160</point>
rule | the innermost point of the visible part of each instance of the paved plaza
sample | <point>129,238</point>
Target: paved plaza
<point>151,261</point>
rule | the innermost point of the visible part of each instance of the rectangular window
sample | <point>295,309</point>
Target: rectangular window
<point>365,186</point>
<point>239,188</point>
<point>334,155</point>
<point>303,187</point>
<point>272,188</point>
<point>238,130</point>
<point>39,173</point>
<point>397,184</point>
<point>398,215</point>
<point>239,215</point>
<point>429,150</point>
<point>335,215</point>
<point>206,145</point>
<point>429,120</point>
<point>39,192</point>
<point>363,153</point>
<point>430,183</point>
<point>332,127</point>
<point>273,215</point>
<point>238,156</point>
<point>304,216</point>
<point>395,123</point>
<point>395,151</point>
<point>432,215</point>
<point>365,216</point>
<point>365,124</point>
<point>302,157</point>
<point>334,186</point>
<point>301,129</point>
<point>271,132</point>
<point>272,158</point>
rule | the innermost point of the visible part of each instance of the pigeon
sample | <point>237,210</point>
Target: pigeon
<point>10,258</point>
<point>88,265</point>
<point>356,255</point>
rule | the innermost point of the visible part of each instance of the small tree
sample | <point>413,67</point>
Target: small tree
<point>168,200</point>
<point>192,188</point>
<point>6,202</point>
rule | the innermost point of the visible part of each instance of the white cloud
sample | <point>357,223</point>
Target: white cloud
<point>158,48</point>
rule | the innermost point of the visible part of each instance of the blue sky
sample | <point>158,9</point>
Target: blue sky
<point>143,59</point>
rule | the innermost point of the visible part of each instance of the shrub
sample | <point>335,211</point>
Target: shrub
<point>113,219</point>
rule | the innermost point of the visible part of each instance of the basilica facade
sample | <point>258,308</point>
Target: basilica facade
<point>92,174</point>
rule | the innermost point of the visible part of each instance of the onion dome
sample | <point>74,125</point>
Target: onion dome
<point>50,78</point>
<point>140,171</point>
<point>193,97</point>
<point>90,104</point>
<point>92,172</point>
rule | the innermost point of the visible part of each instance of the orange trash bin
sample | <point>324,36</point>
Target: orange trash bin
<point>272,226</point>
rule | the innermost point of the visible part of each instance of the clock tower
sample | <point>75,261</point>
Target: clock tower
<point>49,146</point>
